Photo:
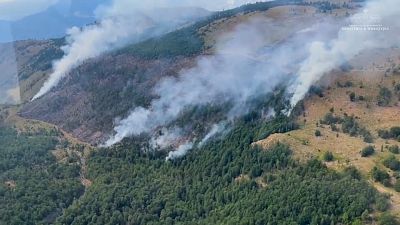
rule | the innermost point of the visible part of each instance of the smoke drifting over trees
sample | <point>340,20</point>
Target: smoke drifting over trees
<point>326,56</point>
<point>241,69</point>
<point>125,22</point>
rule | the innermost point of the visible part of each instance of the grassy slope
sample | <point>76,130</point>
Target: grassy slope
<point>369,71</point>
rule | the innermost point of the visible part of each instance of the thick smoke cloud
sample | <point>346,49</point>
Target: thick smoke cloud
<point>242,68</point>
<point>125,21</point>
<point>180,151</point>
<point>326,56</point>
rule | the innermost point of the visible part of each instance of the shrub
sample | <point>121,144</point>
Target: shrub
<point>368,138</point>
<point>348,84</point>
<point>392,133</point>
<point>328,156</point>
<point>350,125</point>
<point>367,151</point>
<point>352,172</point>
<point>384,97</point>
<point>384,134</point>
<point>397,186</point>
<point>387,219</point>
<point>379,175</point>
<point>392,163</point>
<point>395,132</point>
<point>394,149</point>
<point>397,89</point>
<point>382,204</point>
<point>318,133</point>
<point>316,90</point>
<point>334,128</point>
<point>352,96</point>
<point>330,119</point>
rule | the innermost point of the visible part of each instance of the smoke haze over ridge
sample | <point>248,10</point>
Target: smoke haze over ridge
<point>241,69</point>
<point>326,56</point>
<point>122,22</point>
<point>309,61</point>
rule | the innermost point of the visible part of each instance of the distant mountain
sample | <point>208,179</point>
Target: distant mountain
<point>51,23</point>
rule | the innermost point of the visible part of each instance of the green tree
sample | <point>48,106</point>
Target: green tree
<point>387,219</point>
<point>352,96</point>
<point>367,151</point>
<point>384,97</point>
<point>328,156</point>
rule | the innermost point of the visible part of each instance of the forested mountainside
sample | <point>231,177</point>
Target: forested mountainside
<point>333,160</point>
<point>227,181</point>
<point>94,94</point>
<point>40,171</point>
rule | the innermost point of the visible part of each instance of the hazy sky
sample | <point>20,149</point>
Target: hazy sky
<point>16,9</point>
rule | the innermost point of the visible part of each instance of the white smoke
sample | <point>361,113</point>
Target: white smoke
<point>242,68</point>
<point>91,42</point>
<point>166,139</point>
<point>326,56</point>
<point>121,22</point>
<point>180,151</point>
<point>216,129</point>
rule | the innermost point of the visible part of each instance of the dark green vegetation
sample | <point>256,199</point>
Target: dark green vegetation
<point>397,185</point>
<point>218,184</point>
<point>394,149</point>
<point>352,96</point>
<point>387,219</point>
<point>380,176</point>
<point>367,151</point>
<point>328,157</point>
<point>384,97</point>
<point>34,189</point>
<point>349,125</point>
<point>392,163</point>
<point>228,181</point>
<point>392,133</point>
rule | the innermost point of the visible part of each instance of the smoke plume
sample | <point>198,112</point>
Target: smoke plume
<point>166,139</point>
<point>377,26</point>
<point>122,22</point>
<point>216,129</point>
<point>180,151</point>
<point>242,68</point>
